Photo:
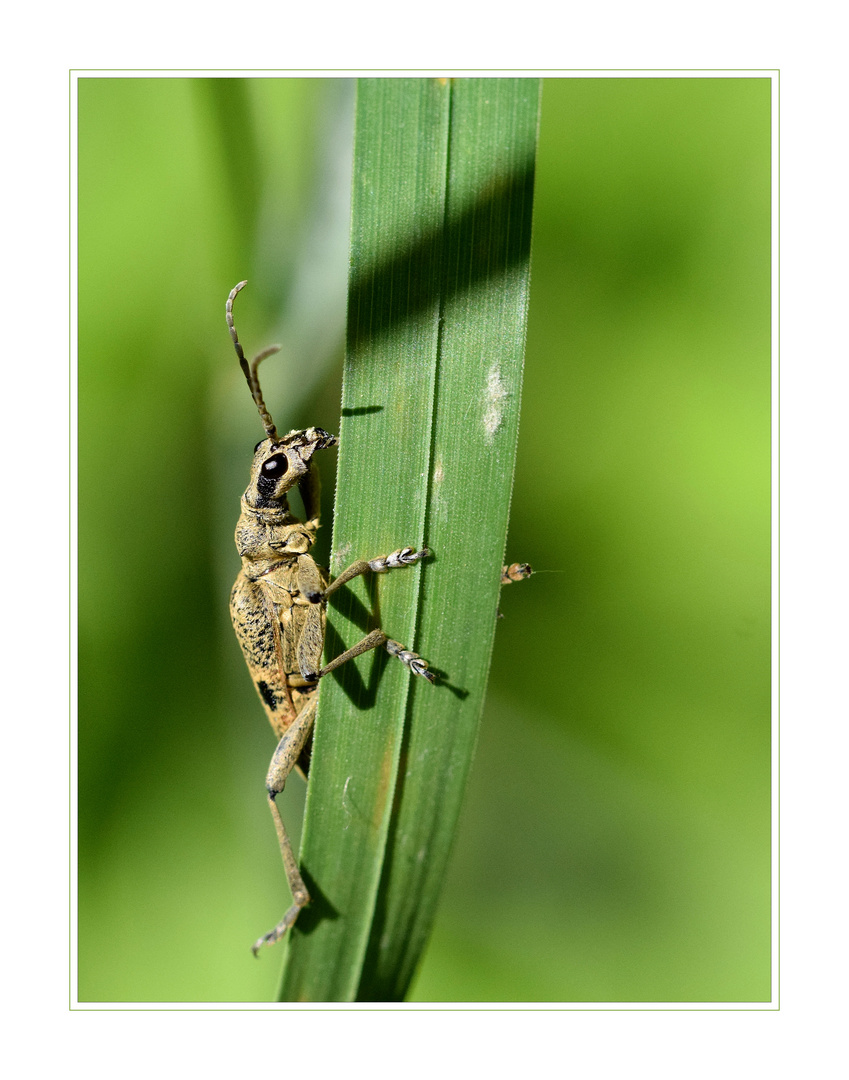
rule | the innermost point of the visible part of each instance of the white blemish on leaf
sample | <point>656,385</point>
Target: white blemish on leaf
<point>345,806</point>
<point>495,396</point>
<point>341,555</point>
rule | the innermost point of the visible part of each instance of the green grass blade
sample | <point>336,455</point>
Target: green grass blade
<point>485,287</point>
<point>443,178</point>
<point>397,198</point>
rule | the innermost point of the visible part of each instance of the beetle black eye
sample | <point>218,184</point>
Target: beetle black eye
<point>271,472</point>
<point>258,445</point>
<point>275,466</point>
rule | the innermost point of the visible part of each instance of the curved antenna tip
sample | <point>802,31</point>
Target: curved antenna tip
<point>250,369</point>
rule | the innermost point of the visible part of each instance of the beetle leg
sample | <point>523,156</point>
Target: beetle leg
<point>285,757</point>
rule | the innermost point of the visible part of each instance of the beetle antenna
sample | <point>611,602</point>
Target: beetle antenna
<point>250,368</point>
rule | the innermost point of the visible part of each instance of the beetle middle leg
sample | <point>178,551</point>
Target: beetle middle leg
<point>372,641</point>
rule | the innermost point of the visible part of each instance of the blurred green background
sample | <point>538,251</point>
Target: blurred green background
<point>615,845</point>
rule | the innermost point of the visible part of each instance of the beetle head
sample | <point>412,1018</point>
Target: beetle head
<point>281,463</point>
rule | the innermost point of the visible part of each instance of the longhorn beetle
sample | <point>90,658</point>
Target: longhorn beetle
<point>279,599</point>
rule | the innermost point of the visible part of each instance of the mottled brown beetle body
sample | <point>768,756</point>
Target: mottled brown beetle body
<point>278,602</point>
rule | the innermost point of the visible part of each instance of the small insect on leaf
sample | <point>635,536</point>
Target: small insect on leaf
<point>517,571</point>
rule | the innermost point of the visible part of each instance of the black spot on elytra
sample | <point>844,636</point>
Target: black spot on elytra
<point>267,694</point>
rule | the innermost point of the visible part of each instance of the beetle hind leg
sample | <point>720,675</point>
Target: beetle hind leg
<point>284,760</point>
<point>300,896</point>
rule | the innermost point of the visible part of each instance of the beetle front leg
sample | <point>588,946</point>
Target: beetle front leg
<point>402,557</point>
<point>285,757</point>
